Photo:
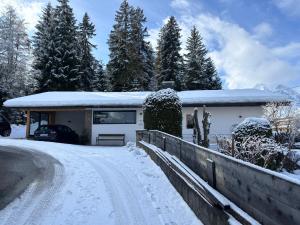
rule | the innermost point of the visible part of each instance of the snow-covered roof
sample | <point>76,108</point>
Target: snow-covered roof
<point>136,99</point>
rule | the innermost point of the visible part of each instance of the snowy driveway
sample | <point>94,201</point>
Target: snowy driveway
<point>98,185</point>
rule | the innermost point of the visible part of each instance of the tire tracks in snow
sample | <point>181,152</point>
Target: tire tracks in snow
<point>127,207</point>
<point>39,195</point>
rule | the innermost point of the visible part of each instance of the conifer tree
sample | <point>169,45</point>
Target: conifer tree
<point>211,72</point>
<point>195,62</point>
<point>119,57</point>
<point>170,60</point>
<point>65,72</point>
<point>14,55</point>
<point>43,49</point>
<point>200,73</point>
<point>131,57</point>
<point>87,70</point>
<point>100,81</point>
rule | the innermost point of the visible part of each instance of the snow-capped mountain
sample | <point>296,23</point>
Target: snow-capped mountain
<point>292,93</point>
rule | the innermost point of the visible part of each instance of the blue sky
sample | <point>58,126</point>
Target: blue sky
<point>251,41</point>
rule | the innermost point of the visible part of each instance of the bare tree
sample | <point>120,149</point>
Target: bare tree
<point>282,117</point>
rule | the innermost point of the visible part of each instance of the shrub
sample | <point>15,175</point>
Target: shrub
<point>252,126</point>
<point>163,111</point>
<point>262,151</point>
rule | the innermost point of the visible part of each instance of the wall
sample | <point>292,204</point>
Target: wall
<point>128,129</point>
<point>270,197</point>
<point>222,119</point>
<point>72,119</point>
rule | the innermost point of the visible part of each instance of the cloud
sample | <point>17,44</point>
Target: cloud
<point>27,10</point>
<point>290,7</point>
<point>180,4</point>
<point>262,31</point>
<point>241,59</point>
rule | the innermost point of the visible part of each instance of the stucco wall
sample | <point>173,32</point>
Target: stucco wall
<point>127,129</point>
<point>222,119</point>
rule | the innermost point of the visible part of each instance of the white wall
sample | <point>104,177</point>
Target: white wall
<point>128,129</point>
<point>72,119</point>
<point>222,119</point>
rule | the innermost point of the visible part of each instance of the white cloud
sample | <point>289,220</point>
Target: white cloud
<point>290,51</point>
<point>242,60</point>
<point>262,31</point>
<point>291,7</point>
<point>180,4</point>
<point>28,10</point>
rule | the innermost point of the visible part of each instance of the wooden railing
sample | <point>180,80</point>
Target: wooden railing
<point>268,196</point>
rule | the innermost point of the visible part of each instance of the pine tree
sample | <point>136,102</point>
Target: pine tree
<point>195,60</point>
<point>149,70</point>
<point>65,72</point>
<point>44,50</point>
<point>141,53</point>
<point>87,72</point>
<point>170,60</point>
<point>131,58</point>
<point>118,65</point>
<point>211,72</point>
<point>100,81</point>
<point>200,73</point>
<point>14,55</point>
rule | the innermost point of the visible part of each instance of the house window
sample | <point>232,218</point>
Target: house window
<point>114,117</point>
<point>189,121</point>
<point>37,119</point>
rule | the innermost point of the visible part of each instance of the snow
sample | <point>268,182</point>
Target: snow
<point>193,176</point>
<point>57,99</point>
<point>98,185</point>
<point>18,131</point>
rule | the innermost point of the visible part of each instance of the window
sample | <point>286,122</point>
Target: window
<point>37,119</point>
<point>189,121</point>
<point>114,117</point>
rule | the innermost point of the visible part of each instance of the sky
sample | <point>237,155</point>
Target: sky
<point>252,42</point>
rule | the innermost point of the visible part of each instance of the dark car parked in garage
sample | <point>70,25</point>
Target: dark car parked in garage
<point>56,133</point>
<point>4,126</point>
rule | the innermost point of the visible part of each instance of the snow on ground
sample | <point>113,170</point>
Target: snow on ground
<point>99,185</point>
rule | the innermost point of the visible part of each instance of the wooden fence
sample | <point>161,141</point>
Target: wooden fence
<point>269,197</point>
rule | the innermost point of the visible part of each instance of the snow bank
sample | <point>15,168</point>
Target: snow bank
<point>137,98</point>
<point>18,131</point>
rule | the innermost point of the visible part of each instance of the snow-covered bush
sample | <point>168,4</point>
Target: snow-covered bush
<point>262,151</point>
<point>252,126</point>
<point>163,111</point>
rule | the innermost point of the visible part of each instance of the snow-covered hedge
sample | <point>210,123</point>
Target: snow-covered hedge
<point>163,111</point>
<point>252,126</point>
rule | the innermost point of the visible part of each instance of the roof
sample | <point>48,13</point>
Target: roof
<point>136,99</point>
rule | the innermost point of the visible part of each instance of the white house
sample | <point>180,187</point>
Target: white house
<point>94,113</point>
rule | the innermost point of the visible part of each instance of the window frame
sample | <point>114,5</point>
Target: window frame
<point>133,111</point>
<point>187,121</point>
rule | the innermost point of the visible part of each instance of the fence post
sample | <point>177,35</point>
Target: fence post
<point>232,145</point>
<point>149,137</point>
<point>211,173</point>
<point>164,143</point>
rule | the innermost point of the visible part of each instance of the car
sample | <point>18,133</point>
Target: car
<point>5,129</point>
<point>56,133</point>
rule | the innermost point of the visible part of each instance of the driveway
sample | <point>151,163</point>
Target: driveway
<point>93,185</point>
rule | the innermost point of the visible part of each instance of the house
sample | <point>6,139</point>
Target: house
<point>93,113</point>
